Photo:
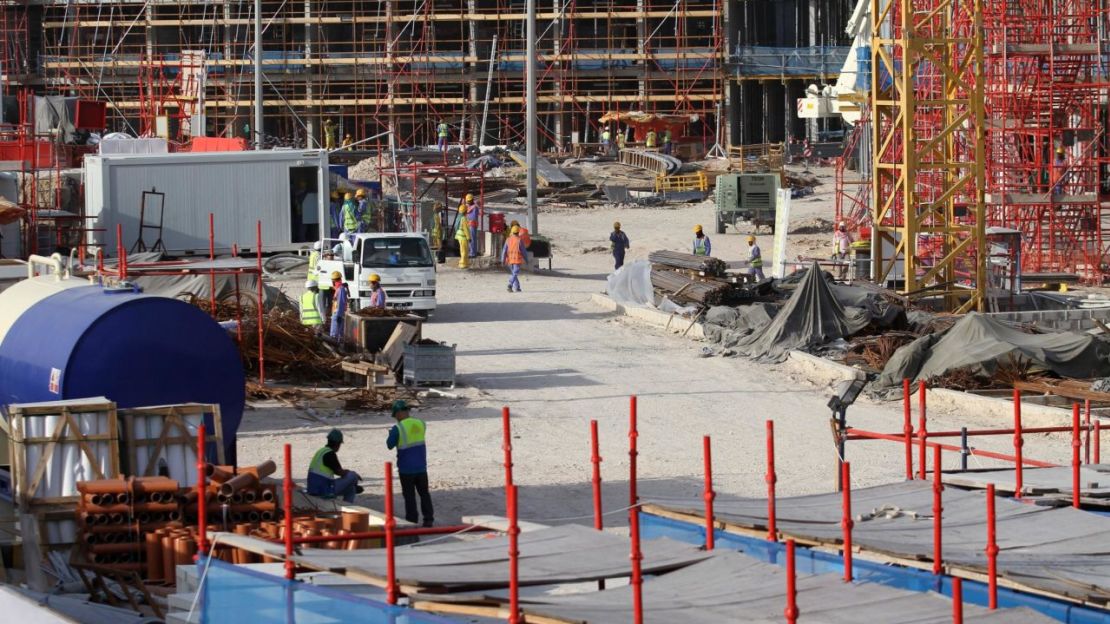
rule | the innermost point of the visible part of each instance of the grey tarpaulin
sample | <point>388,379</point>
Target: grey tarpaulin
<point>811,317</point>
<point>727,325</point>
<point>1061,550</point>
<point>980,342</point>
<point>732,587</point>
<point>54,112</point>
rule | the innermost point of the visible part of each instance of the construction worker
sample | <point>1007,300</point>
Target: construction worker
<point>329,134</point>
<point>338,305</point>
<point>842,240</point>
<point>512,256</point>
<point>365,211</point>
<point>442,134</point>
<point>1059,171</point>
<point>702,246</point>
<point>327,478</point>
<point>323,301</point>
<point>755,259</point>
<point>313,260</point>
<point>377,293</point>
<point>618,244</point>
<point>347,140</point>
<point>407,436</point>
<point>605,139</point>
<point>621,140</point>
<point>335,209</point>
<point>352,218</point>
<point>462,235</point>
<point>472,222</point>
<point>310,306</point>
<point>525,237</point>
<point>649,141</point>
<point>667,142</point>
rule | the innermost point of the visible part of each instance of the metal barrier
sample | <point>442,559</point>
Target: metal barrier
<point>689,182</point>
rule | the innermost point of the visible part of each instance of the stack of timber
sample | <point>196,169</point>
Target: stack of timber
<point>703,265</point>
<point>682,289</point>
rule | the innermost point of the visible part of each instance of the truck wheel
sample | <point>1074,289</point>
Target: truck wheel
<point>720,226</point>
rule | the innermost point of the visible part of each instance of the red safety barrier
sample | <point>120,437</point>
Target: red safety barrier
<point>708,495</point>
<point>957,601</point>
<point>1075,489</point>
<point>860,434</point>
<point>772,479</point>
<point>1087,430</point>
<point>791,611</point>
<point>507,446</point>
<point>907,428</point>
<point>636,556</point>
<point>287,504</point>
<point>121,253</point>
<point>846,518</point>
<point>992,552</point>
<point>202,511</point>
<point>1098,441</point>
<point>390,542</point>
<point>514,557</point>
<point>1018,443</point>
<point>633,496</point>
<point>261,327</point>
<point>595,459</point>
<point>938,509</point>
<point>922,435</point>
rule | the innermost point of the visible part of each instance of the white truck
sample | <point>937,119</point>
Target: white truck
<point>403,260</point>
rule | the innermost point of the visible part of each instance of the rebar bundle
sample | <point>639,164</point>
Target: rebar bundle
<point>705,265</point>
<point>679,287</point>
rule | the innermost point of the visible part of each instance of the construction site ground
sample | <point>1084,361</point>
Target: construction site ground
<point>558,361</point>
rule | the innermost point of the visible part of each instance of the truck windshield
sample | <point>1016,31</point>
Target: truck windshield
<point>380,253</point>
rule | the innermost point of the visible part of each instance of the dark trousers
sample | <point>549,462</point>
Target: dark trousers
<point>411,485</point>
<point>618,260</point>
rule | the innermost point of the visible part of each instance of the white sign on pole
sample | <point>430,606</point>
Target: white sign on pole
<point>782,226</point>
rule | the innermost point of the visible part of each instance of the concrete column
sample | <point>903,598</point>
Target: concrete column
<point>311,140</point>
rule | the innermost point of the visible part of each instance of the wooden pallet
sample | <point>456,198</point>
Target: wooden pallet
<point>376,375</point>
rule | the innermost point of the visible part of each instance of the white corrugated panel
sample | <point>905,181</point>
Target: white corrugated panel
<point>153,145</point>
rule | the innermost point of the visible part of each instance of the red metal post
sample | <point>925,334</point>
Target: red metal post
<point>846,518</point>
<point>390,523</point>
<point>907,428</point>
<point>1075,444</point>
<point>514,557</point>
<point>1098,441</point>
<point>957,600</point>
<point>507,446</point>
<point>287,504</point>
<point>1087,430</point>
<point>791,611</point>
<point>708,495</point>
<point>121,253</point>
<point>938,510</point>
<point>261,332</point>
<point>992,552</point>
<point>637,580</point>
<point>595,459</point>
<point>202,511</point>
<point>922,435</point>
<point>1018,443</point>
<point>772,479</point>
<point>633,497</point>
<point>212,258</point>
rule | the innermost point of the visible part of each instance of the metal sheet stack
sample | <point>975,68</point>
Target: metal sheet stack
<point>704,265</point>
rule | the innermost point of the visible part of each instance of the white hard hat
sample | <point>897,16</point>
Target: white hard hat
<point>317,246</point>
<point>310,283</point>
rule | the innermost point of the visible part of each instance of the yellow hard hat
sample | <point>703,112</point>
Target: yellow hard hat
<point>515,229</point>
<point>514,222</point>
<point>1060,150</point>
<point>374,277</point>
<point>616,225</point>
<point>469,197</point>
<point>751,239</point>
<point>347,196</point>
<point>347,136</point>
<point>697,228</point>
<point>360,193</point>
<point>336,275</point>
<point>335,194</point>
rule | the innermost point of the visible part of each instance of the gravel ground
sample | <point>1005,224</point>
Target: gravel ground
<point>558,361</point>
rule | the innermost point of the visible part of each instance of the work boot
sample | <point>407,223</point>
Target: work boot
<point>359,489</point>
<point>428,524</point>
<point>510,289</point>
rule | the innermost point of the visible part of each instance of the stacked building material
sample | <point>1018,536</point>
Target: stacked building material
<point>680,288</point>
<point>704,265</point>
<point>113,515</point>
<point>237,496</point>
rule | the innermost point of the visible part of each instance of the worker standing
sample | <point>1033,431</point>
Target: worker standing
<point>472,223</point>
<point>310,306</point>
<point>329,134</point>
<point>352,219</point>
<point>650,139</point>
<point>327,478</point>
<point>702,246</point>
<point>755,259</point>
<point>313,260</point>
<point>347,141</point>
<point>462,235</point>
<point>442,134</point>
<point>365,212</point>
<point>1059,171</point>
<point>618,244</point>
<point>407,436</point>
<point>338,305</point>
<point>335,209</point>
<point>621,140</point>
<point>667,142</point>
<point>512,256</point>
<point>843,243</point>
<point>605,140</point>
<point>377,293</point>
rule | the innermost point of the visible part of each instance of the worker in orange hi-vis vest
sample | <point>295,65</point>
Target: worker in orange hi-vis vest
<point>512,256</point>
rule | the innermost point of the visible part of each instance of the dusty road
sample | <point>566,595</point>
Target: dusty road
<point>558,361</point>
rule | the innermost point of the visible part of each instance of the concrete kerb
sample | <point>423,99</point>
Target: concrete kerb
<point>671,322</point>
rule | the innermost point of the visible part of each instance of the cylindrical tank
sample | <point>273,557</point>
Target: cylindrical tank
<point>68,339</point>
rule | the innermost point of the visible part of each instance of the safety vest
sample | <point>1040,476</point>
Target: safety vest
<point>313,258</point>
<point>605,137</point>
<point>526,237</point>
<point>310,316</point>
<point>756,261</point>
<point>321,479</point>
<point>699,246</point>
<point>442,130</point>
<point>350,216</point>
<point>461,233</point>
<point>650,139</point>
<point>411,453</point>
<point>667,136</point>
<point>513,254</point>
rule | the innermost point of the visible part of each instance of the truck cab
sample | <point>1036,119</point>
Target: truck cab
<point>402,260</point>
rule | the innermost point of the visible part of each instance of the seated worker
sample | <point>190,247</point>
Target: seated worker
<point>328,479</point>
